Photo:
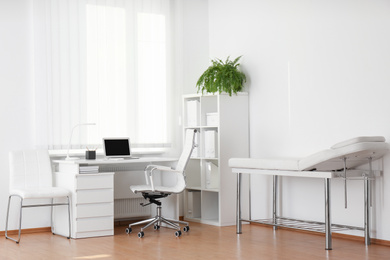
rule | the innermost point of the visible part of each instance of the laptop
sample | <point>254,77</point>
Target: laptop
<point>117,148</point>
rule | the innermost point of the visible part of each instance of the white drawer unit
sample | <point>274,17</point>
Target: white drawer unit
<point>93,224</point>
<point>95,181</point>
<point>94,196</point>
<point>92,209</point>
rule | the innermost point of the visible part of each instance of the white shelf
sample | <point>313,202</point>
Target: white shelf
<point>197,220</point>
<point>204,158</point>
<point>215,193</point>
<point>198,95</point>
<point>201,127</point>
<point>211,190</point>
<point>193,188</point>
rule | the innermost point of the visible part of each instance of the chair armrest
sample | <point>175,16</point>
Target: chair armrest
<point>151,168</point>
<point>160,167</point>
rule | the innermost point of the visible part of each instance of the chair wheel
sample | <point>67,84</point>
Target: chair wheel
<point>141,234</point>
<point>156,227</point>
<point>186,228</point>
<point>128,230</point>
<point>178,233</point>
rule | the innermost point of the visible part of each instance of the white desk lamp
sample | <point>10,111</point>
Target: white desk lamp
<point>70,140</point>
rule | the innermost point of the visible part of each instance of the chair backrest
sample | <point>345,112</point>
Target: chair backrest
<point>30,169</point>
<point>189,144</point>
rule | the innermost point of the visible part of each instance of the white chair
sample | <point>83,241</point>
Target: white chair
<point>153,192</point>
<point>31,178</point>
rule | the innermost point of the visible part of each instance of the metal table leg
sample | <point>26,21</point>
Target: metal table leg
<point>238,217</point>
<point>367,199</point>
<point>328,224</point>
<point>274,200</point>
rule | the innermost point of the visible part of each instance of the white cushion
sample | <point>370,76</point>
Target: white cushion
<point>30,168</point>
<point>40,193</point>
<point>359,139</point>
<point>356,154</point>
<point>163,189</point>
<point>356,150</point>
<point>272,164</point>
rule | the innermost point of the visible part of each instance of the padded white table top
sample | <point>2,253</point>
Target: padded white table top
<point>356,152</point>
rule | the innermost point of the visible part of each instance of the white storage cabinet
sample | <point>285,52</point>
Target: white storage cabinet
<point>222,122</point>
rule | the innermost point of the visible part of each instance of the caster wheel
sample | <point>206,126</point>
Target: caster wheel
<point>156,227</point>
<point>141,234</point>
<point>128,230</point>
<point>186,229</point>
<point>178,233</point>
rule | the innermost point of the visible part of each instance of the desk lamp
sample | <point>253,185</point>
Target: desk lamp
<point>70,140</point>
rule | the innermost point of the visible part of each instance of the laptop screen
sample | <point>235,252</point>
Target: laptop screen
<point>116,147</point>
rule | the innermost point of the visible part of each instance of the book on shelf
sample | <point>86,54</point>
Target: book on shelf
<point>89,169</point>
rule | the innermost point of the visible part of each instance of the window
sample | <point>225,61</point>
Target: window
<point>104,62</point>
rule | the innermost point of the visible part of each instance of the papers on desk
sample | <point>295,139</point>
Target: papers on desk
<point>89,169</point>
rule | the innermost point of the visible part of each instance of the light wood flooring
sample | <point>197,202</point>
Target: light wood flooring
<point>201,242</point>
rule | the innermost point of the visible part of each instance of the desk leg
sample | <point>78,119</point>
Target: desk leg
<point>367,199</point>
<point>238,217</point>
<point>328,224</point>
<point>274,200</point>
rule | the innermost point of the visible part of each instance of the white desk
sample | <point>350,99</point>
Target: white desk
<point>93,194</point>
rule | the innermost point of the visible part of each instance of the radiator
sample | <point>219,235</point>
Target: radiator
<point>130,208</point>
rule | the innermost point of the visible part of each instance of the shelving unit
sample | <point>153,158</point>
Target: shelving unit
<point>222,122</point>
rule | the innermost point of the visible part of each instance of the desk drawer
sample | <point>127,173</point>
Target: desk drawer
<point>94,224</point>
<point>95,210</point>
<point>87,182</point>
<point>94,196</point>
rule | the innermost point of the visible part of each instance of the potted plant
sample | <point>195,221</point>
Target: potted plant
<point>222,77</point>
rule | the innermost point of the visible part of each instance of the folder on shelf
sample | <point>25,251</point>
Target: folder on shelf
<point>192,113</point>
<point>210,144</point>
<point>211,176</point>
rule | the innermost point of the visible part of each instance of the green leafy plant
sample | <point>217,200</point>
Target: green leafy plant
<point>222,77</point>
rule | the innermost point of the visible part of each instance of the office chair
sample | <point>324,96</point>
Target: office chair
<point>152,192</point>
<point>31,178</point>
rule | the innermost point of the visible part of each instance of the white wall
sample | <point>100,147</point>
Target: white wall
<point>318,73</point>
<point>195,42</point>
<point>16,105</point>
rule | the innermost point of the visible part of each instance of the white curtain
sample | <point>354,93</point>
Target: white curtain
<point>106,62</point>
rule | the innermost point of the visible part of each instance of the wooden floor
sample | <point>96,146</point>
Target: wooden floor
<point>201,242</point>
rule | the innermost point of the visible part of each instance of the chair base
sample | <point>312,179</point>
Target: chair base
<point>157,221</point>
<point>29,206</point>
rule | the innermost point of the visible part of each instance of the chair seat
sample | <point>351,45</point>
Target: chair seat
<point>148,188</point>
<point>40,193</point>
